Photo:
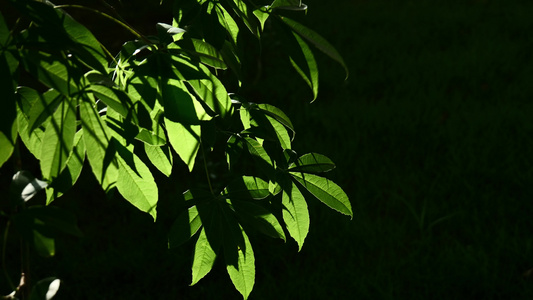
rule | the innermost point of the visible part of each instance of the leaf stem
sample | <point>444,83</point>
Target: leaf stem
<point>4,267</point>
<point>206,170</point>
<point>119,22</point>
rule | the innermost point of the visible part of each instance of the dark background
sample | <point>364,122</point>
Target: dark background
<point>432,134</point>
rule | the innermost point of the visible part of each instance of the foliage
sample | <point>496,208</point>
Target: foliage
<point>163,102</point>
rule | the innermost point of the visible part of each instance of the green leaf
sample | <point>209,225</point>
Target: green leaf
<point>168,33</point>
<point>277,114</point>
<point>7,146</point>
<point>37,108</point>
<point>180,105</point>
<point>100,153</point>
<point>225,19</point>
<point>262,14</point>
<point>71,173</point>
<point>185,140</point>
<point>135,181</point>
<point>44,245</point>
<point>229,53</point>
<point>204,258</point>
<point>184,227</point>
<point>247,187</point>
<point>58,140</point>
<point>213,93</point>
<point>245,118</point>
<point>309,70</point>
<point>243,273</point>
<point>116,99</point>
<point>206,53</point>
<point>246,15</point>
<point>264,127</point>
<point>64,33</point>
<point>274,188</point>
<point>259,218</point>
<point>295,214</point>
<point>326,191</point>
<point>286,3</point>
<point>261,157</point>
<point>152,138</point>
<point>234,148</point>
<point>161,158</point>
<point>32,140</point>
<point>317,40</point>
<point>53,71</point>
<point>312,163</point>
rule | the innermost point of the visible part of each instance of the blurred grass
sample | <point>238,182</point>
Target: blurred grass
<point>433,137</point>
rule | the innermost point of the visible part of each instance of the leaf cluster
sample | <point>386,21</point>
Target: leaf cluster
<point>161,103</point>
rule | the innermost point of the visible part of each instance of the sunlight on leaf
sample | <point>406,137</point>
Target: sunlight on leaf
<point>326,191</point>
<point>295,214</point>
<point>204,258</point>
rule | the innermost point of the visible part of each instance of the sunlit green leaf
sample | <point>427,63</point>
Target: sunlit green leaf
<point>274,188</point>
<point>227,22</point>
<point>326,191</point>
<point>213,93</point>
<point>247,187</point>
<point>281,133</point>
<point>185,140</point>
<point>32,140</point>
<point>312,163</point>
<point>7,146</point>
<point>206,53</point>
<point>261,157</point>
<point>71,173</point>
<point>262,14</point>
<point>259,218</point>
<point>242,274</point>
<point>161,158</point>
<point>39,107</point>
<point>204,258</point>
<point>277,114</point>
<point>100,154</point>
<point>184,227</point>
<point>180,105</point>
<point>246,15</point>
<point>116,99</point>
<point>309,71</point>
<point>135,182</point>
<point>58,140</point>
<point>318,41</point>
<point>295,214</point>
<point>53,71</point>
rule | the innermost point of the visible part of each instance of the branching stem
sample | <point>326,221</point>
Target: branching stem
<point>119,22</point>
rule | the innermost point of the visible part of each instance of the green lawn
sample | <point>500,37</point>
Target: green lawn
<point>432,134</point>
